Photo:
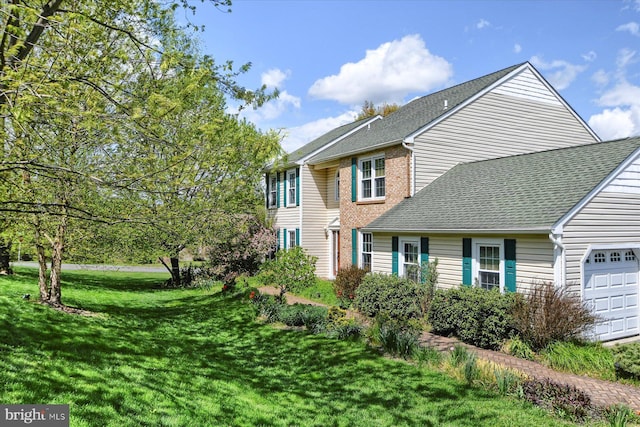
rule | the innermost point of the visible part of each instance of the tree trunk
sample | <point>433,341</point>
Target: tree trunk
<point>42,264</point>
<point>5,248</point>
<point>55,297</point>
<point>175,271</point>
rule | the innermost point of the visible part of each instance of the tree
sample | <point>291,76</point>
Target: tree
<point>67,70</point>
<point>370,110</point>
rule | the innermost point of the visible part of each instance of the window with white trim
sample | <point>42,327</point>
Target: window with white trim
<point>291,187</point>
<point>372,178</point>
<point>273,191</point>
<point>366,251</point>
<point>409,262</point>
<point>488,261</point>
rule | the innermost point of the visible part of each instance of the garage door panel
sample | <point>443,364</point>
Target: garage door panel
<point>611,289</point>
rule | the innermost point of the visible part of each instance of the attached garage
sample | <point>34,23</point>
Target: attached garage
<point>611,289</point>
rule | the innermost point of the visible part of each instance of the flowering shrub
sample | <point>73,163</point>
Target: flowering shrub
<point>240,248</point>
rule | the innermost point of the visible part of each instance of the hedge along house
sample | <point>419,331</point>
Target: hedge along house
<point>567,216</point>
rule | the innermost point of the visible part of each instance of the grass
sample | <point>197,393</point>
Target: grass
<point>158,357</point>
<point>590,359</point>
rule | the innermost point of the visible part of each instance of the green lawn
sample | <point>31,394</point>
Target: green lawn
<point>155,357</point>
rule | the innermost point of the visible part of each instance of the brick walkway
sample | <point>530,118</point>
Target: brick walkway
<point>603,393</point>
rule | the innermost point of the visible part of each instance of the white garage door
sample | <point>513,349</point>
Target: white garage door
<point>611,289</point>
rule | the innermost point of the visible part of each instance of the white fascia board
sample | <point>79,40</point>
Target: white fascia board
<point>558,226</point>
<point>338,139</point>
<point>409,139</point>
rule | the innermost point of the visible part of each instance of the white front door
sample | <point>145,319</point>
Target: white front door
<point>611,289</point>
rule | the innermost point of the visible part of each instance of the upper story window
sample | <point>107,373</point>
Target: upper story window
<point>273,191</point>
<point>372,178</point>
<point>292,183</point>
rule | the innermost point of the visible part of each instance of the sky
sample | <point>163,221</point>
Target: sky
<point>327,57</point>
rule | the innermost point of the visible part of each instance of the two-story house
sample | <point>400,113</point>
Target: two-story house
<point>332,188</point>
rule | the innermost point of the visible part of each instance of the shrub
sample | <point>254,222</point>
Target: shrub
<point>627,360</point>
<point>347,281</point>
<point>550,313</point>
<point>340,327</point>
<point>518,348</point>
<point>396,338</point>
<point>240,246</point>
<point>428,278</point>
<point>563,399</point>
<point>476,316</point>
<point>267,306</point>
<point>292,270</point>
<point>389,296</point>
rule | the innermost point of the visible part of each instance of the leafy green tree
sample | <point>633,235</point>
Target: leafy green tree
<point>86,86</point>
<point>369,109</point>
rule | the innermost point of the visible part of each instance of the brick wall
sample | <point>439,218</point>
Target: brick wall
<point>358,214</point>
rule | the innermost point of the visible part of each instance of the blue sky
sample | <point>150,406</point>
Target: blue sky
<point>328,56</point>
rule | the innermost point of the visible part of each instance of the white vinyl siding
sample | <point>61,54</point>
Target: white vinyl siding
<point>609,219</point>
<point>534,257</point>
<point>527,86</point>
<point>314,217</point>
<point>495,125</point>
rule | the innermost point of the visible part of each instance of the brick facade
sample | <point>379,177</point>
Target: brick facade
<point>358,214</point>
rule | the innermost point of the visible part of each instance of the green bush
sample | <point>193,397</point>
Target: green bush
<point>474,315</point>
<point>347,281</point>
<point>292,271</point>
<point>550,313</point>
<point>396,338</point>
<point>627,360</point>
<point>389,296</point>
<point>267,306</point>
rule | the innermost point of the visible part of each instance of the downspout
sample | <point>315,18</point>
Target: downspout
<point>412,172</point>
<point>557,245</point>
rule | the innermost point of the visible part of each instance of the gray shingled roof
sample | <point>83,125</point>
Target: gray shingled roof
<point>410,118</point>
<point>525,192</point>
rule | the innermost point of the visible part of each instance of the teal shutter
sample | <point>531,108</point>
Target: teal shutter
<point>510,265</point>
<point>298,187</point>
<point>277,189</point>
<point>354,246</point>
<point>297,237</point>
<point>466,261</point>
<point>394,255</point>
<point>284,238</point>
<point>424,257</point>
<point>354,179</point>
<point>266,199</point>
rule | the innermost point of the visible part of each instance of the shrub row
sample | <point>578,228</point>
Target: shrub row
<point>476,316</point>
<point>389,296</point>
<point>627,360</point>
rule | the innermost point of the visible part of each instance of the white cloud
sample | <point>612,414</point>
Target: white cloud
<point>297,136</point>
<point>386,74</point>
<point>559,73</point>
<point>589,56</point>
<point>616,123</point>
<point>632,27</point>
<point>483,23</point>
<point>274,78</point>
<point>625,57</point>
<point>517,48</point>
<point>622,119</point>
<point>601,78</point>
